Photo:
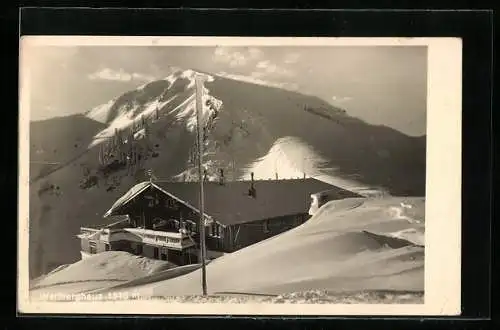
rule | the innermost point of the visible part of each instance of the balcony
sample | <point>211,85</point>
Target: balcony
<point>171,240</point>
<point>87,231</point>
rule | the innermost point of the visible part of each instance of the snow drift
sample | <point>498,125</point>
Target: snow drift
<point>98,271</point>
<point>346,247</point>
<point>333,251</point>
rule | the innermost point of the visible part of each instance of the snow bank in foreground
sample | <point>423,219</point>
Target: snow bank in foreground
<point>351,250</point>
<point>100,270</point>
<point>335,251</point>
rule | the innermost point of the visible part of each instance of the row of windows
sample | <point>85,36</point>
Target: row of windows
<point>169,203</point>
<point>216,230</point>
<point>283,222</point>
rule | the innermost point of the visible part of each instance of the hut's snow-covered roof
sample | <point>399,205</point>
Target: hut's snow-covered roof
<point>230,203</point>
<point>124,199</point>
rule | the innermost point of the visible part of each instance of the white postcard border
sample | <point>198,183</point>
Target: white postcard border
<point>443,182</point>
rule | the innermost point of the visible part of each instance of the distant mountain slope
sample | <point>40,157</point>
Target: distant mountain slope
<point>365,155</point>
<point>249,127</point>
<point>55,141</point>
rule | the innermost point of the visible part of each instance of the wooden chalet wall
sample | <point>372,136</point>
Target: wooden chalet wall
<point>238,236</point>
<point>100,246</point>
<point>154,210</point>
<point>92,246</point>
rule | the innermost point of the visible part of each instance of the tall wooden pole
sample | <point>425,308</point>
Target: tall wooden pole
<point>199,124</point>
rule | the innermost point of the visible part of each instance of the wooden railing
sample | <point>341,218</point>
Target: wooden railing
<point>153,237</point>
<point>88,231</point>
<point>161,238</point>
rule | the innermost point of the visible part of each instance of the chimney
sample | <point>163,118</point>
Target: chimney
<point>221,177</point>
<point>251,191</point>
<point>149,173</point>
<point>181,220</point>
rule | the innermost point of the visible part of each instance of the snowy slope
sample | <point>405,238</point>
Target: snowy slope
<point>259,128</point>
<point>291,157</point>
<point>99,271</point>
<point>348,246</point>
<point>336,250</point>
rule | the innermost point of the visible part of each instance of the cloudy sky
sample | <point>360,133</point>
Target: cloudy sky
<point>382,85</point>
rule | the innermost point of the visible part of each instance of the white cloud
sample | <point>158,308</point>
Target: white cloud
<point>120,75</point>
<point>108,74</point>
<point>240,57</point>
<point>255,53</point>
<point>236,58</point>
<point>292,58</point>
<point>263,64</point>
<point>271,68</point>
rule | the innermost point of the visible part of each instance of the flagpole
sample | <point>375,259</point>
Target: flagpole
<point>199,120</point>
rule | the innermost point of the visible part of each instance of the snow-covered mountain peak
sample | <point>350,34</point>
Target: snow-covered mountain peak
<point>188,74</point>
<point>173,95</point>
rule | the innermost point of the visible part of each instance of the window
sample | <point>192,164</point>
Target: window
<point>158,223</point>
<point>92,247</point>
<point>138,249</point>
<point>299,219</point>
<point>172,224</point>
<point>266,226</point>
<point>172,204</point>
<point>173,240</point>
<point>191,225</point>
<point>156,253</point>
